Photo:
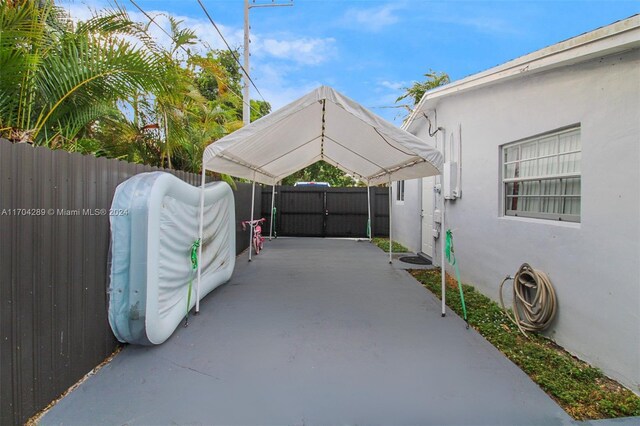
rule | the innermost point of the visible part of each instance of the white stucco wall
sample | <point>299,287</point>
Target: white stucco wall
<point>406,215</point>
<point>594,265</point>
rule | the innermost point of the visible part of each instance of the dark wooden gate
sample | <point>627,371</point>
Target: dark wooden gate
<point>326,212</point>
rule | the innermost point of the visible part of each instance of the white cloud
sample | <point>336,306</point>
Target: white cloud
<point>276,58</point>
<point>80,12</point>
<point>277,86</point>
<point>306,51</point>
<point>203,29</point>
<point>393,85</point>
<point>290,47</point>
<point>205,32</point>
<point>372,19</point>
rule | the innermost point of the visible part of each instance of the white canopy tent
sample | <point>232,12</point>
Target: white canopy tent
<point>322,125</point>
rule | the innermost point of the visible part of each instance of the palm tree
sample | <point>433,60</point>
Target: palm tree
<point>419,88</point>
<point>57,78</point>
<point>105,87</point>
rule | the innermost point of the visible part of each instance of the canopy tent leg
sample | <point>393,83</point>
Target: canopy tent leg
<point>390,223</point>
<point>369,229</point>
<point>253,201</point>
<point>443,270</point>
<point>200,232</point>
<point>273,199</point>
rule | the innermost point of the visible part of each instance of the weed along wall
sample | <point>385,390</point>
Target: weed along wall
<point>54,245</point>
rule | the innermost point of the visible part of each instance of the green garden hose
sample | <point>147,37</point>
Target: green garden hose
<point>451,258</point>
<point>534,300</point>
<point>194,267</point>
<point>273,215</point>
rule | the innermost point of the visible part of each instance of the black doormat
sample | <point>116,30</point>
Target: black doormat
<point>415,260</point>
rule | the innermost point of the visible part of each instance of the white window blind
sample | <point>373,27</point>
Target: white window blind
<point>541,176</point>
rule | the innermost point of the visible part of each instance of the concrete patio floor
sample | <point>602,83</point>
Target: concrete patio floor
<point>314,332</point>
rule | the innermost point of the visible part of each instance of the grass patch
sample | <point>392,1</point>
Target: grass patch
<point>583,391</point>
<point>383,243</point>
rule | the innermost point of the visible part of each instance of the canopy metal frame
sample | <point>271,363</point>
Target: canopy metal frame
<point>384,155</point>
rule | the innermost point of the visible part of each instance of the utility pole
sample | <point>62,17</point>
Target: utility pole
<point>246,99</point>
<point>246,96</point>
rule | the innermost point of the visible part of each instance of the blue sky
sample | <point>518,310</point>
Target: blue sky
<point>369,50</point>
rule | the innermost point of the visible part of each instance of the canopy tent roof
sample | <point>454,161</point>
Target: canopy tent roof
<point>323,125</point>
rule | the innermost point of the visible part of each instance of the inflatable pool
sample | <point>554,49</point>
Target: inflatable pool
<point>154,238</point>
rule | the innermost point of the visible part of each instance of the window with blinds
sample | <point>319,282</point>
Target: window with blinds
<point>541,176</point>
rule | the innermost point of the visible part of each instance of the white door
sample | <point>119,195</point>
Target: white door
<point>427,216</point>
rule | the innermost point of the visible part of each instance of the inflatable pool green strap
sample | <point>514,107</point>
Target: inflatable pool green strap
<point>194,267</point>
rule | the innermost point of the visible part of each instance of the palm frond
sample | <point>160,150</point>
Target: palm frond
<point>117,22</point>
<point>93,70</point>
<point>71,124</point>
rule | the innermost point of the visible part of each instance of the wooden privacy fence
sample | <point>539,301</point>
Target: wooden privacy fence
<point>54,245</point>
<point>313,211</point>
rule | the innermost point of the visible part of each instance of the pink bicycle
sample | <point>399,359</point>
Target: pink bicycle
<point>257,240</point>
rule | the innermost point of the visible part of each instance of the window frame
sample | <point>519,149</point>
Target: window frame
<point>399,198</point>
<point>562,177</point>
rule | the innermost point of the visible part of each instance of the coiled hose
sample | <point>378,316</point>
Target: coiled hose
<point>534,300</point>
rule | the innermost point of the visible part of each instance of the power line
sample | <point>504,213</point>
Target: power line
<point>233,52</point>
<point>407,107</point>
<point>152,20</point>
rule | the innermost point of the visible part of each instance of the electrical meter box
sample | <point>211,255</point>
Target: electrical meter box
<point>450,180</point>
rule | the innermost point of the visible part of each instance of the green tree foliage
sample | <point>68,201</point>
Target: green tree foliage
<point>105,87</point>
<point>226,74</point>
<point>321,172</point>
<point>259,109</point>
<point>222,82</point>
<point>419,88</point>
<point>57,78</point>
